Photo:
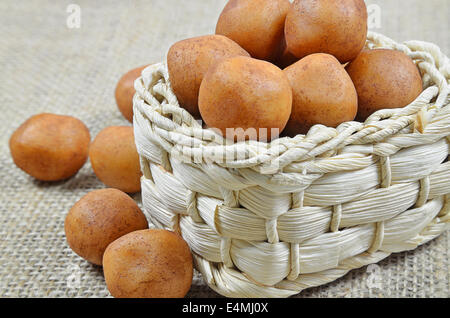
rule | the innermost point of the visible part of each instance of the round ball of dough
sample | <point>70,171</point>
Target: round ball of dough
<point>115,160</point>
<point>148,264</point>
<point>125,91</point>
<point>323,94</point>
<point>50,147</point>
<point>99,218</point>
<point>384,79</point>
<point>250,98</point>
<point>190,59</point>
<point>336,27</point>
<point>257,25</point>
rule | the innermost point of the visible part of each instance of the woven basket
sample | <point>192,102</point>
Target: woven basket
<point>269,220</point>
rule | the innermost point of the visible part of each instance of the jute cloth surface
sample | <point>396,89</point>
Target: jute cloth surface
<point>47,67</point>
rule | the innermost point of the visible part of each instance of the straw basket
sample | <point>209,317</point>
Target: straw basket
<point>269,220</point>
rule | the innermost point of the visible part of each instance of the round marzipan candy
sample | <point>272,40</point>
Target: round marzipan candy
<point>125,91</point>
<point>50,147</point>
<point>190,59</point>
<point>99,218</point>
<point>115,160</point>
<point>148,264</point>
<point>384,79</point>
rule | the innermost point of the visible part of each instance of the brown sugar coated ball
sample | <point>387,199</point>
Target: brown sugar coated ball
<point>99,218</point>
<point>336,27</point>
<point>125,91</point>
<point>256,25</point>
<point>323,94</point>
<point>115,160</point>
<point>50,147</point>
<point>384,79</point>
<point>190,59</point>
<point>247,94</point>
<point>148,264</point>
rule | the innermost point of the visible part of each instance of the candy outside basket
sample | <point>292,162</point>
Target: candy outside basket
<point>270,220</point>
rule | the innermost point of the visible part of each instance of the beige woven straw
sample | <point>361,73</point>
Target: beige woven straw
<point>270,220</point>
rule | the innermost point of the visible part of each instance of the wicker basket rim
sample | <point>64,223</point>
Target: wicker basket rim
<point>181,134</point>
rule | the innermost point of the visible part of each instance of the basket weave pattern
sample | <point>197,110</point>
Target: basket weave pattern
<point>269,220</point>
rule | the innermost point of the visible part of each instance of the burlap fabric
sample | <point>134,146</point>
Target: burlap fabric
<point>48,67</point>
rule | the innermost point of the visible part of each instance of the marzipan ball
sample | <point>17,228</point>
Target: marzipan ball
<point>99,218</point>
<point>384,79</point>
<point>50,147</point>
<point>336,27</point>
<point>246,98</point>
<point>188,61</point>
<point>115,160</point>
<point>257,25</point>
<point>148,264</point>
<point>323,94</point>
<point>125,91</point>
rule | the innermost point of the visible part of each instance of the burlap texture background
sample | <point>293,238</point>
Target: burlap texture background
<point>47,67</point>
